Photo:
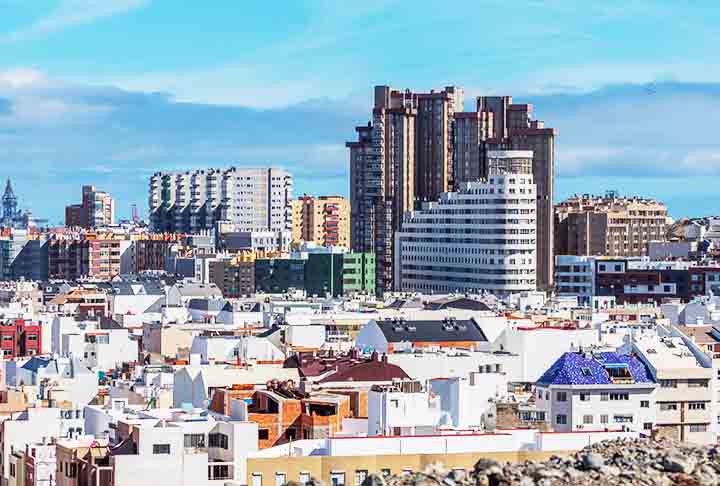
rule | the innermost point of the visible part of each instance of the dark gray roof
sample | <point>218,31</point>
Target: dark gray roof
<point>396,331</point>
<point>462,303</point>
<point>108,323</point>
<point>209,304</point>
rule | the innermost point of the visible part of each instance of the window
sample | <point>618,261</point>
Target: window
<point>622,419</point>
<point>698,428</point>
<point>561,396</point>
<point>585,371</point>
<point>584,397</point>
<point>619,396</point>
<point>263,434</point>
<point>385,472</point>
<point>219,472</point>
<point>161,448</point>
<point>360,476</point>
<point>668,406</point>
<point>668,383</point>
<point>561,419</point>
<point>304,478</point>
<point>587,419</point>
<point>257,479</point>
<point>71,471</point>
<point>647,426</point>
<point>280,479</point>
<point>219,440</point>
<point>7,337</point>
<point>644,404</point>
<point>12,469</point>
<point>698,383</point>
<point>696,406</point>
<point>603,419</point>
<point>337,479</point>
<point>395,403</point>
<point>604,397</point>
<point>195,440</point>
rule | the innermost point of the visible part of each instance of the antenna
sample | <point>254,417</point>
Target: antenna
<point>135,215</point>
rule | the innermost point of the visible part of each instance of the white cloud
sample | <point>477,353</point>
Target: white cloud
<point>21,78</point>
<point>70,13</point>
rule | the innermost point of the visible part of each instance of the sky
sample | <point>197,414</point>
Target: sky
<point>106,92</point>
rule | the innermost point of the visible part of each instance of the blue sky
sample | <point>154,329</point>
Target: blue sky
<point>109,91</point>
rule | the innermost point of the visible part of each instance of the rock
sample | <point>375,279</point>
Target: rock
<point>457,475</point>
<point>676,463</point>
<point>315,482</point>
<point>484,464</point>
<point>592,461</point>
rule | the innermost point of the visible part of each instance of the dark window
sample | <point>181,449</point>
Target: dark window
<point>161,448</point>
<point>218,440</point>
<point>263,434</point>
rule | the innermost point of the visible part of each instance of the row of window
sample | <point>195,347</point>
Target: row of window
<point>562,419</point>
<point>562,396</point>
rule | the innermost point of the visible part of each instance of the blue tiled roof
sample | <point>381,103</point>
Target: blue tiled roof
<point>589,369</point>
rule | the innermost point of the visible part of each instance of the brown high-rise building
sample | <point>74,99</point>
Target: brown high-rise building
<point>434,141</point>
<point>324,220</point>
<point>498,124</point>
<point>382,178</point>
<point>609,225</point>
<point>420,145</point>
<point>97,210</point>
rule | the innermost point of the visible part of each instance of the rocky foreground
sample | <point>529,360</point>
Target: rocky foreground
<point>626,462</point>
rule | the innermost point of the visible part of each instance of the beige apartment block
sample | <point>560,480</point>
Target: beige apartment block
<point>609,225</point>
<point>685,396</point>
<point>324,220</point>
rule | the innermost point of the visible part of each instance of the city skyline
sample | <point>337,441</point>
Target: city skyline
<point>119,104</point>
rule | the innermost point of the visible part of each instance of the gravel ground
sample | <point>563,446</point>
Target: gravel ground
<point>626,462</point>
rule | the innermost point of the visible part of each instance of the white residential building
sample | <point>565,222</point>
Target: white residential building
<point>575,275</point>
<point>470,402</point>
<point>235,348</point>
<point>404,408</point>
<point>481,238</point>
<point>251,199</point>
<point>597,390</point>
<point>107,348</point>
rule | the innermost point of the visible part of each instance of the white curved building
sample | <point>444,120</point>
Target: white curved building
<point>481,238</point>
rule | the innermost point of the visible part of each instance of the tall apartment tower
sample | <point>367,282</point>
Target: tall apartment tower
<point>435,142</point>
<point>249,199</point>
<point>96,210</point>
<point>324,220</point>
<point>499,124</point>
<point>404,156</point>
<point>382,180</point>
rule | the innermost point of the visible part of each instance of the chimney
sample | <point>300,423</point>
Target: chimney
<point>374,356</point>
<point>384,358</point>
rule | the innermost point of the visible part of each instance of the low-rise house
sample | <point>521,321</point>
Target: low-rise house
<point>235,348</point>
<point>57,378</point>
<point>194,384</point>
<point>404,408</point>
<point>171,447</point>
<point>391,335</point>
<point>598,390</point>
